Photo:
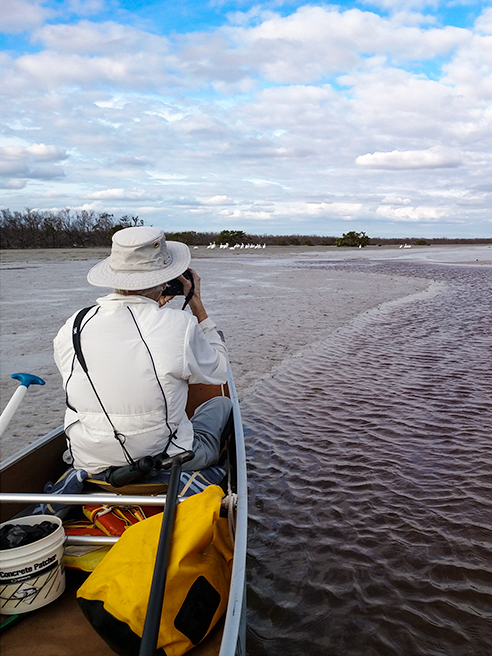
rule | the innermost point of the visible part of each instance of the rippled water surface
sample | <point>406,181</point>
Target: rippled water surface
<point>370,474</point>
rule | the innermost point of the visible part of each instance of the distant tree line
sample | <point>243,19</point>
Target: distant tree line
<point>233,237</point>
<point>86,228</point>
<point>62,229</point>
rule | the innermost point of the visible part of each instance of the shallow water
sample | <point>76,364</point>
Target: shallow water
<point>370,475</point>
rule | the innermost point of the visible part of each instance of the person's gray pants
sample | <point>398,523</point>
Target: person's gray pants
<point>209,421</point>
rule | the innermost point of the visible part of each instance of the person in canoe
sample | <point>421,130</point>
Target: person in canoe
<point>127,361</point>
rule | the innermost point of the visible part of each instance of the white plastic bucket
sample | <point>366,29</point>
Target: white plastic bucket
<point>33,575</point>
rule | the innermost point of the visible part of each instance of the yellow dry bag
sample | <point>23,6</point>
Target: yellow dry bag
<point>115,596</point>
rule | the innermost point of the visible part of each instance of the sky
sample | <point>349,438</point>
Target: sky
<point>275,117</point>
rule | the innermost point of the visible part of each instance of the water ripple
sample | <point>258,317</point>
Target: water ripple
<point>371,483</point>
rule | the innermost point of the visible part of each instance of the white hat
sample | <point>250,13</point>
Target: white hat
<point>140,258</point>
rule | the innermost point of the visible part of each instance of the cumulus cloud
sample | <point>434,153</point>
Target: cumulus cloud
<point>22,15</point>
<point>306,46</point>
<point>12,183</point>
<point>220,199</point>
<point>116,194</point>
<point>317,41</point>
<point>90,54</point>
<point>484,21</point>
<point>286,210</point>
<point>39,152</point>
<point>86,37</point>
<point>345,210</point>
<point>125,70</point>
<point>37,161</point>
<point>412,214</point>
<point>393,199</point>
<point>251,214</point>
<point>275,109</point>
<point>436,157</point>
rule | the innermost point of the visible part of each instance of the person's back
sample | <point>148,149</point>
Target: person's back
<point>140,357</point>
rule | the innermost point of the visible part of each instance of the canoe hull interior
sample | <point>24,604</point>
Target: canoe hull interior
<point>31,472</point>
<point>60,627</point>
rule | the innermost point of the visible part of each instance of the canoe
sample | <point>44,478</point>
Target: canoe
<point>60,627</point>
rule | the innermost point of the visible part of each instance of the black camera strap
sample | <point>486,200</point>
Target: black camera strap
<point>189,296</point>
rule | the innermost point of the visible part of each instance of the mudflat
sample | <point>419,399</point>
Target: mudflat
<point>270,304</point>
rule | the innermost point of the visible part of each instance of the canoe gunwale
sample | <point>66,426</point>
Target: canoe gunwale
<point>31,448</point>
<point>234,634</point>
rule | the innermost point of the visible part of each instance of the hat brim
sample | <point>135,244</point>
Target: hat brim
<point>102,275</point>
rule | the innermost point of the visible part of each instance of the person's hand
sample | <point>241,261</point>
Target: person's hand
<point>187,283</point>
<point>196,305</point>
<point>163,299</point>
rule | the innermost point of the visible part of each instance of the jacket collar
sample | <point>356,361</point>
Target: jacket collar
<point>114,300</point>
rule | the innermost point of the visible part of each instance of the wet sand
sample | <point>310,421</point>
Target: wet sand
<point>268,305</point>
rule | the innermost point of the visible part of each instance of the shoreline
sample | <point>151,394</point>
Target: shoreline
<point>443,253</point>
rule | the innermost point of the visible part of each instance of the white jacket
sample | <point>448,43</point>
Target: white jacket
<point>141,375</point>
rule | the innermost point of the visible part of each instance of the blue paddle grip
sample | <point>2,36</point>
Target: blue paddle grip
<point>28,379</point>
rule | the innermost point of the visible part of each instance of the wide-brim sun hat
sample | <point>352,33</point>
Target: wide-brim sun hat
<point>140,258</point>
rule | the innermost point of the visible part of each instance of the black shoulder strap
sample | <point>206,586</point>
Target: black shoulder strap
<point>77,329</point>
<point>76,336</point>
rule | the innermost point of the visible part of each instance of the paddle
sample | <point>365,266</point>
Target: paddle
<point>154,609</point>
<point>17,396</point>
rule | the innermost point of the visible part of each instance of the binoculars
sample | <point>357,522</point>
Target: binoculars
<point>119,476</point>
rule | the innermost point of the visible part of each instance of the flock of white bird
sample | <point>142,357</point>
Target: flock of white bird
<point>233,248</point>
<point>213,245</point>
